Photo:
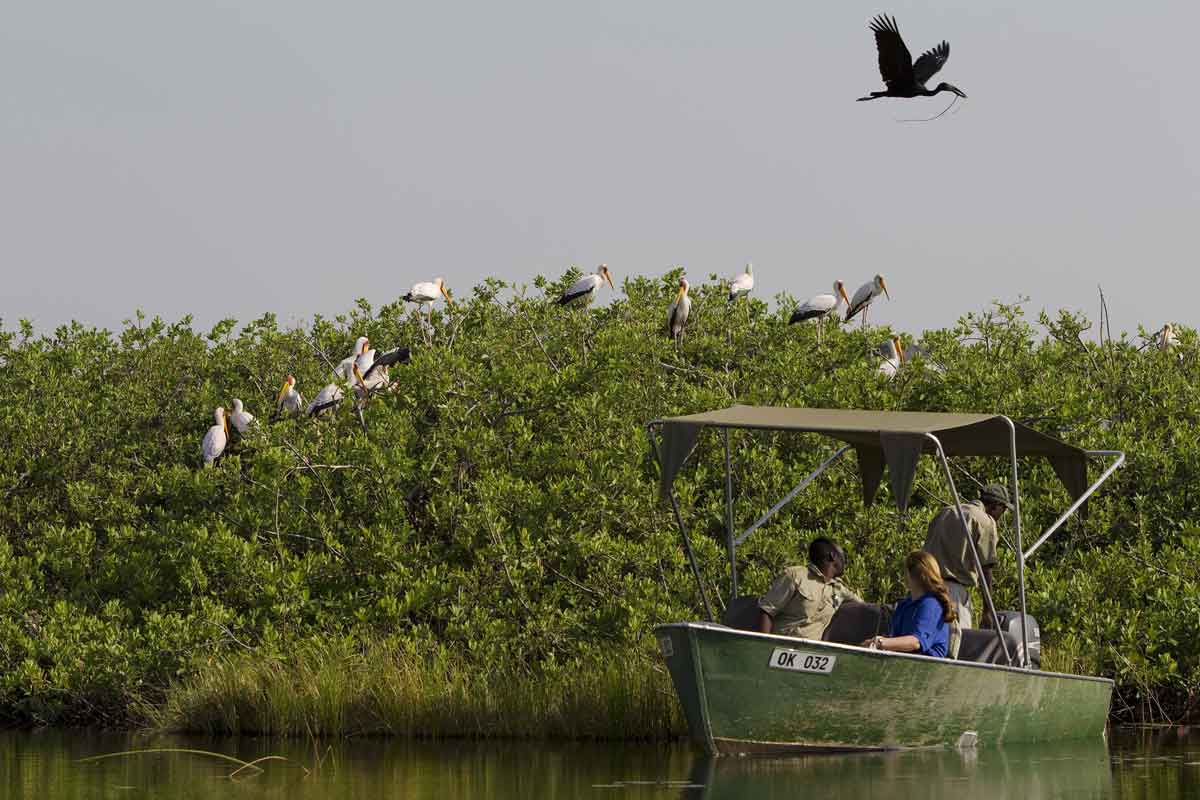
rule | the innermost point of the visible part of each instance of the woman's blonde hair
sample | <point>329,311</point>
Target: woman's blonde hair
<point>924,569</point>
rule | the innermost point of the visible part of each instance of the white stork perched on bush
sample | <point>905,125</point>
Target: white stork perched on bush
<point>583,291</point>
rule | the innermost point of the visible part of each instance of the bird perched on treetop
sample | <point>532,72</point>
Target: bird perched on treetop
<point>740,285</point>
<point>865,295</point>
<point>583,291</point>
<point>678,312</point>
<point>820,306</point>
<point>902,76</point>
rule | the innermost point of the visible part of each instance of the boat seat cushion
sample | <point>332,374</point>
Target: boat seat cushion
<point>854,623</point>
<point>742,613</point>
<point>983,646</point>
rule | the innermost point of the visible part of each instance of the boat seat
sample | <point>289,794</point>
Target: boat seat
<point>854,623</point>
<point>742,613</point>
<point>982,646</point>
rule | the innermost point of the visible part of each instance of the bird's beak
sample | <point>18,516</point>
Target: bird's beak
<point>365,347</point>
<point>608,277</point>
<point>225,423</point>
<point>359,377</point>
<point>883,283</point>
<point>446,294</point>
<point>282,392</point>
<point>681,293</point>
<point>845,296</point>
<point>899,348</point>
<point>960,93</point>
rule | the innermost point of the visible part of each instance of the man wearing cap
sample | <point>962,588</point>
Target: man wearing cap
<point>946,541</point>
<point>802,600</point>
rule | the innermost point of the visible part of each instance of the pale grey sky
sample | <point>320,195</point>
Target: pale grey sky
<point>231,158</point>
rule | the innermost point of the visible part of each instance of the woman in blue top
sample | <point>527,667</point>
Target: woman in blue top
<point>921,621</point>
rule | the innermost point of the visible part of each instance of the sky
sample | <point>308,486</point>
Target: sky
<point>226,159</point>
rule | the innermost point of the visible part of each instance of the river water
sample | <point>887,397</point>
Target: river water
<point>48,765</point>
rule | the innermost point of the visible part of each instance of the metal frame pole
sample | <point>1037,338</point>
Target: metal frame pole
<point>790,496</point>
<point>687,544</point>
<point>1016,501</point>
<point>732,546</point>
<point>1082,498</point>
<point>983,585</point>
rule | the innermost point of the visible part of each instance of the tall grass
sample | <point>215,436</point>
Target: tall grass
<point>337,688</point>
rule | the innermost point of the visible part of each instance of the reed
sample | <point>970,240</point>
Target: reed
<point>338,688</point>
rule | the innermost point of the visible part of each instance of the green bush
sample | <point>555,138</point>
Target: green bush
<point>503,501</point>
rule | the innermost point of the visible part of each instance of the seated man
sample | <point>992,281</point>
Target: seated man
<point>802,600</point>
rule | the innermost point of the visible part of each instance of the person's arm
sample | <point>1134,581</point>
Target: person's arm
<point>987,620</point>
<point>897,644</point>
<point>920,637</point>
<point>778,596</point>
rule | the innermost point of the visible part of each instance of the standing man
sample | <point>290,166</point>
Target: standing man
<point>802,600</point>
<point>948,544</point>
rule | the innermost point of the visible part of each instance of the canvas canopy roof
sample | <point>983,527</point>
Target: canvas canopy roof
<point>894,438</point>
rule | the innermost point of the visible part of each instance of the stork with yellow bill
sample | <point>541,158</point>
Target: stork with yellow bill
<point>820,306</point>
<point>289,400</point>
<point>866,295</point>
<point>677,314</point>
<point>583,291</point>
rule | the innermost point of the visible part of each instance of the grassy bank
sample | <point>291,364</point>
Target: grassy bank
<point>337,688</point>
<point>501,506</point>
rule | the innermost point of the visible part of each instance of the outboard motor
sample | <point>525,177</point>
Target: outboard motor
<point>1010,623</point>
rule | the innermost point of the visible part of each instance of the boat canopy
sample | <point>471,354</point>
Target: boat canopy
<point>894,438</point>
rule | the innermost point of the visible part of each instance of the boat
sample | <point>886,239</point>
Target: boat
<point>747,692</point>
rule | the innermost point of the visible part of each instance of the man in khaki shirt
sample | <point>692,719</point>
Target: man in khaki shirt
<point>947,543</point>
<point>802,600</point>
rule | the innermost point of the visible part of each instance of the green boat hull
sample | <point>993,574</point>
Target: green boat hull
<point>745,692</point>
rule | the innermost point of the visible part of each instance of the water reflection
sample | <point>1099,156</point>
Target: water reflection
<point>1148,764</point>
<point>1079,770</point>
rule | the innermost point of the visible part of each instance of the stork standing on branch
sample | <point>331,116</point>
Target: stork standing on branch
<point>864,296</point>
<point>677,314</point>
<point>740,285</point>
<point>215,438</point>
<point>583,291</point>
<point>289,400</point>
<point>902,76</point>
<point>820,306</point>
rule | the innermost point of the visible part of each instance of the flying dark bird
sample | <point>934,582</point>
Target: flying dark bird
<point>903,76</point>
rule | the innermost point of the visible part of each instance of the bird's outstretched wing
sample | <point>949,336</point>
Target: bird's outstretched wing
<point>401,355</point>
<point>930,62</point>
<point>895,62</point>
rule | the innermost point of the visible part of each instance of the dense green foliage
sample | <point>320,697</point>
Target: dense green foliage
<point>502,506</point>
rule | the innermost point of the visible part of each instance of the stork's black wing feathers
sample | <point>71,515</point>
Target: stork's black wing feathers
<point>930,62</point>
<point>800,315</point>
<point>401,355</point>
<point>895,62</point>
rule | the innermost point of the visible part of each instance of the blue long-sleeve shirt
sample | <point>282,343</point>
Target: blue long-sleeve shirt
<point>922,618</point>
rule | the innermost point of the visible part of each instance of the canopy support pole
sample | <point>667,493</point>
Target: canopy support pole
<point>687,543</point>
<point>983,584</point>
<point>1120,459</point>
<point>1016,501</point>
<point>790,496</point>
<point>730,544</point>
